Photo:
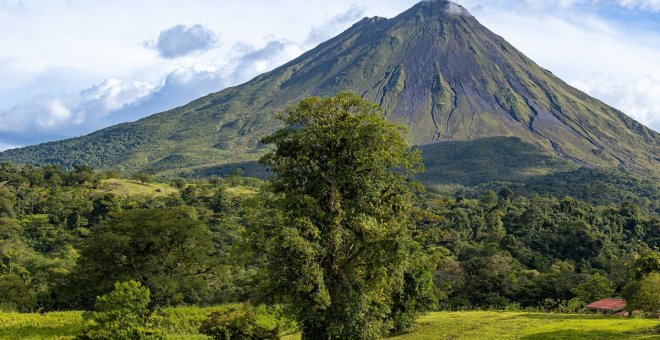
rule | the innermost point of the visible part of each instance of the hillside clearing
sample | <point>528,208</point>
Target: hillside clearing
<point>126,187</point>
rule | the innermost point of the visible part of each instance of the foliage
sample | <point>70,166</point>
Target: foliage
<point>121,314</point>
<point>168,251</point>
<point>529,249</point>
<point>236,324</point>
<point>49,215</point>
<point>418,294</point>
<point>646,264</point>
<point>644,295</point>
<point>336,242</point>
<point>15,294</point>
<point>596,287</point>
<point>485,250</point>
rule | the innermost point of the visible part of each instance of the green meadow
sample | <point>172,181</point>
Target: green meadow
<point>126,187</point>
<point>182,323</point>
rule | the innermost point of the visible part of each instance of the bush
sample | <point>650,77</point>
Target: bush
<point>572,306</point>
<point>15,295</point>
<point>644,295</point>
<point>236,324</point>
<point>121,314</point>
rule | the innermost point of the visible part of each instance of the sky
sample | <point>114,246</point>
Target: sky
<point>70,67</point>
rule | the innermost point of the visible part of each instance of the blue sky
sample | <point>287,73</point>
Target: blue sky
<point>70,67</point>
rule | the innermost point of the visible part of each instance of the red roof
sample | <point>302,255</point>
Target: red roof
<point>608,304</point>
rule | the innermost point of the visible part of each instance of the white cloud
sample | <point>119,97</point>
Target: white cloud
<point>113,101</point>
<point>638,98</point>
<point>4,146</point>
<point>69,114</point>
<point>253,61</point>
<point>653,5</point>
<point>182,40</point>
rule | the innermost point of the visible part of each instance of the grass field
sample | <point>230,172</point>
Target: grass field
<point>514,325</point>
<point>183,323</point>
<point>127,187</point>
<point>240,191</point>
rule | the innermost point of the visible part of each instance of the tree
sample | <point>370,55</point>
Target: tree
<point>337,238</point>
<point>492,280</point>
<point>168,251</point>
<point>236,324</point>
<point>644,295</point>
<point>15,294</point>
<point>594,288</point>
<point>83,174</point>
<point>146,175</point>
<point>417,295</point>
<point>123,313</point>
<point>647,263</point>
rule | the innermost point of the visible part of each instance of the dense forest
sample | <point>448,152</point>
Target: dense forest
<point>64,241</point>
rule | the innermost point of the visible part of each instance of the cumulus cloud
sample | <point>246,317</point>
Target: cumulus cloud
<point>47,116</point>
<point>638,98</point>
<point>653,5</point>
<point>182,40</point>
<point>113,101</point>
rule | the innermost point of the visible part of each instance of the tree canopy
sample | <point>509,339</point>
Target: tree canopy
<point>167,251</point>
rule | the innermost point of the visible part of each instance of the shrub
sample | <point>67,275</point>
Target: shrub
<point>644,295</point>
<point>572,306</point>
<point>15,295</point>
<point>236,324</point>
<point>596,287</point>
<point>121,314</point>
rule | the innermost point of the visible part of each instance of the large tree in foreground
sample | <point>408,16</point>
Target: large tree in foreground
<point>337,241</point>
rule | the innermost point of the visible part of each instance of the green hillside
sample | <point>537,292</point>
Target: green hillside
<point>440,72</point>
<point>472,167</point>
<point>490,159</point>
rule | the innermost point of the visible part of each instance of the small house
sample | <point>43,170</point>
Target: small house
<point>609,307</point>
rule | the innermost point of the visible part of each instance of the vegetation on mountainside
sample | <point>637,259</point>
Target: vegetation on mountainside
<point>469,168</point>
<point>472,167</point>
<point>505,159</point>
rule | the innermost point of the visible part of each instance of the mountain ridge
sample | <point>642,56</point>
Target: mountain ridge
<point>434,68</point>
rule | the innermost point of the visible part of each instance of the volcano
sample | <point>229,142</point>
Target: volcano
<point>433,68</point>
